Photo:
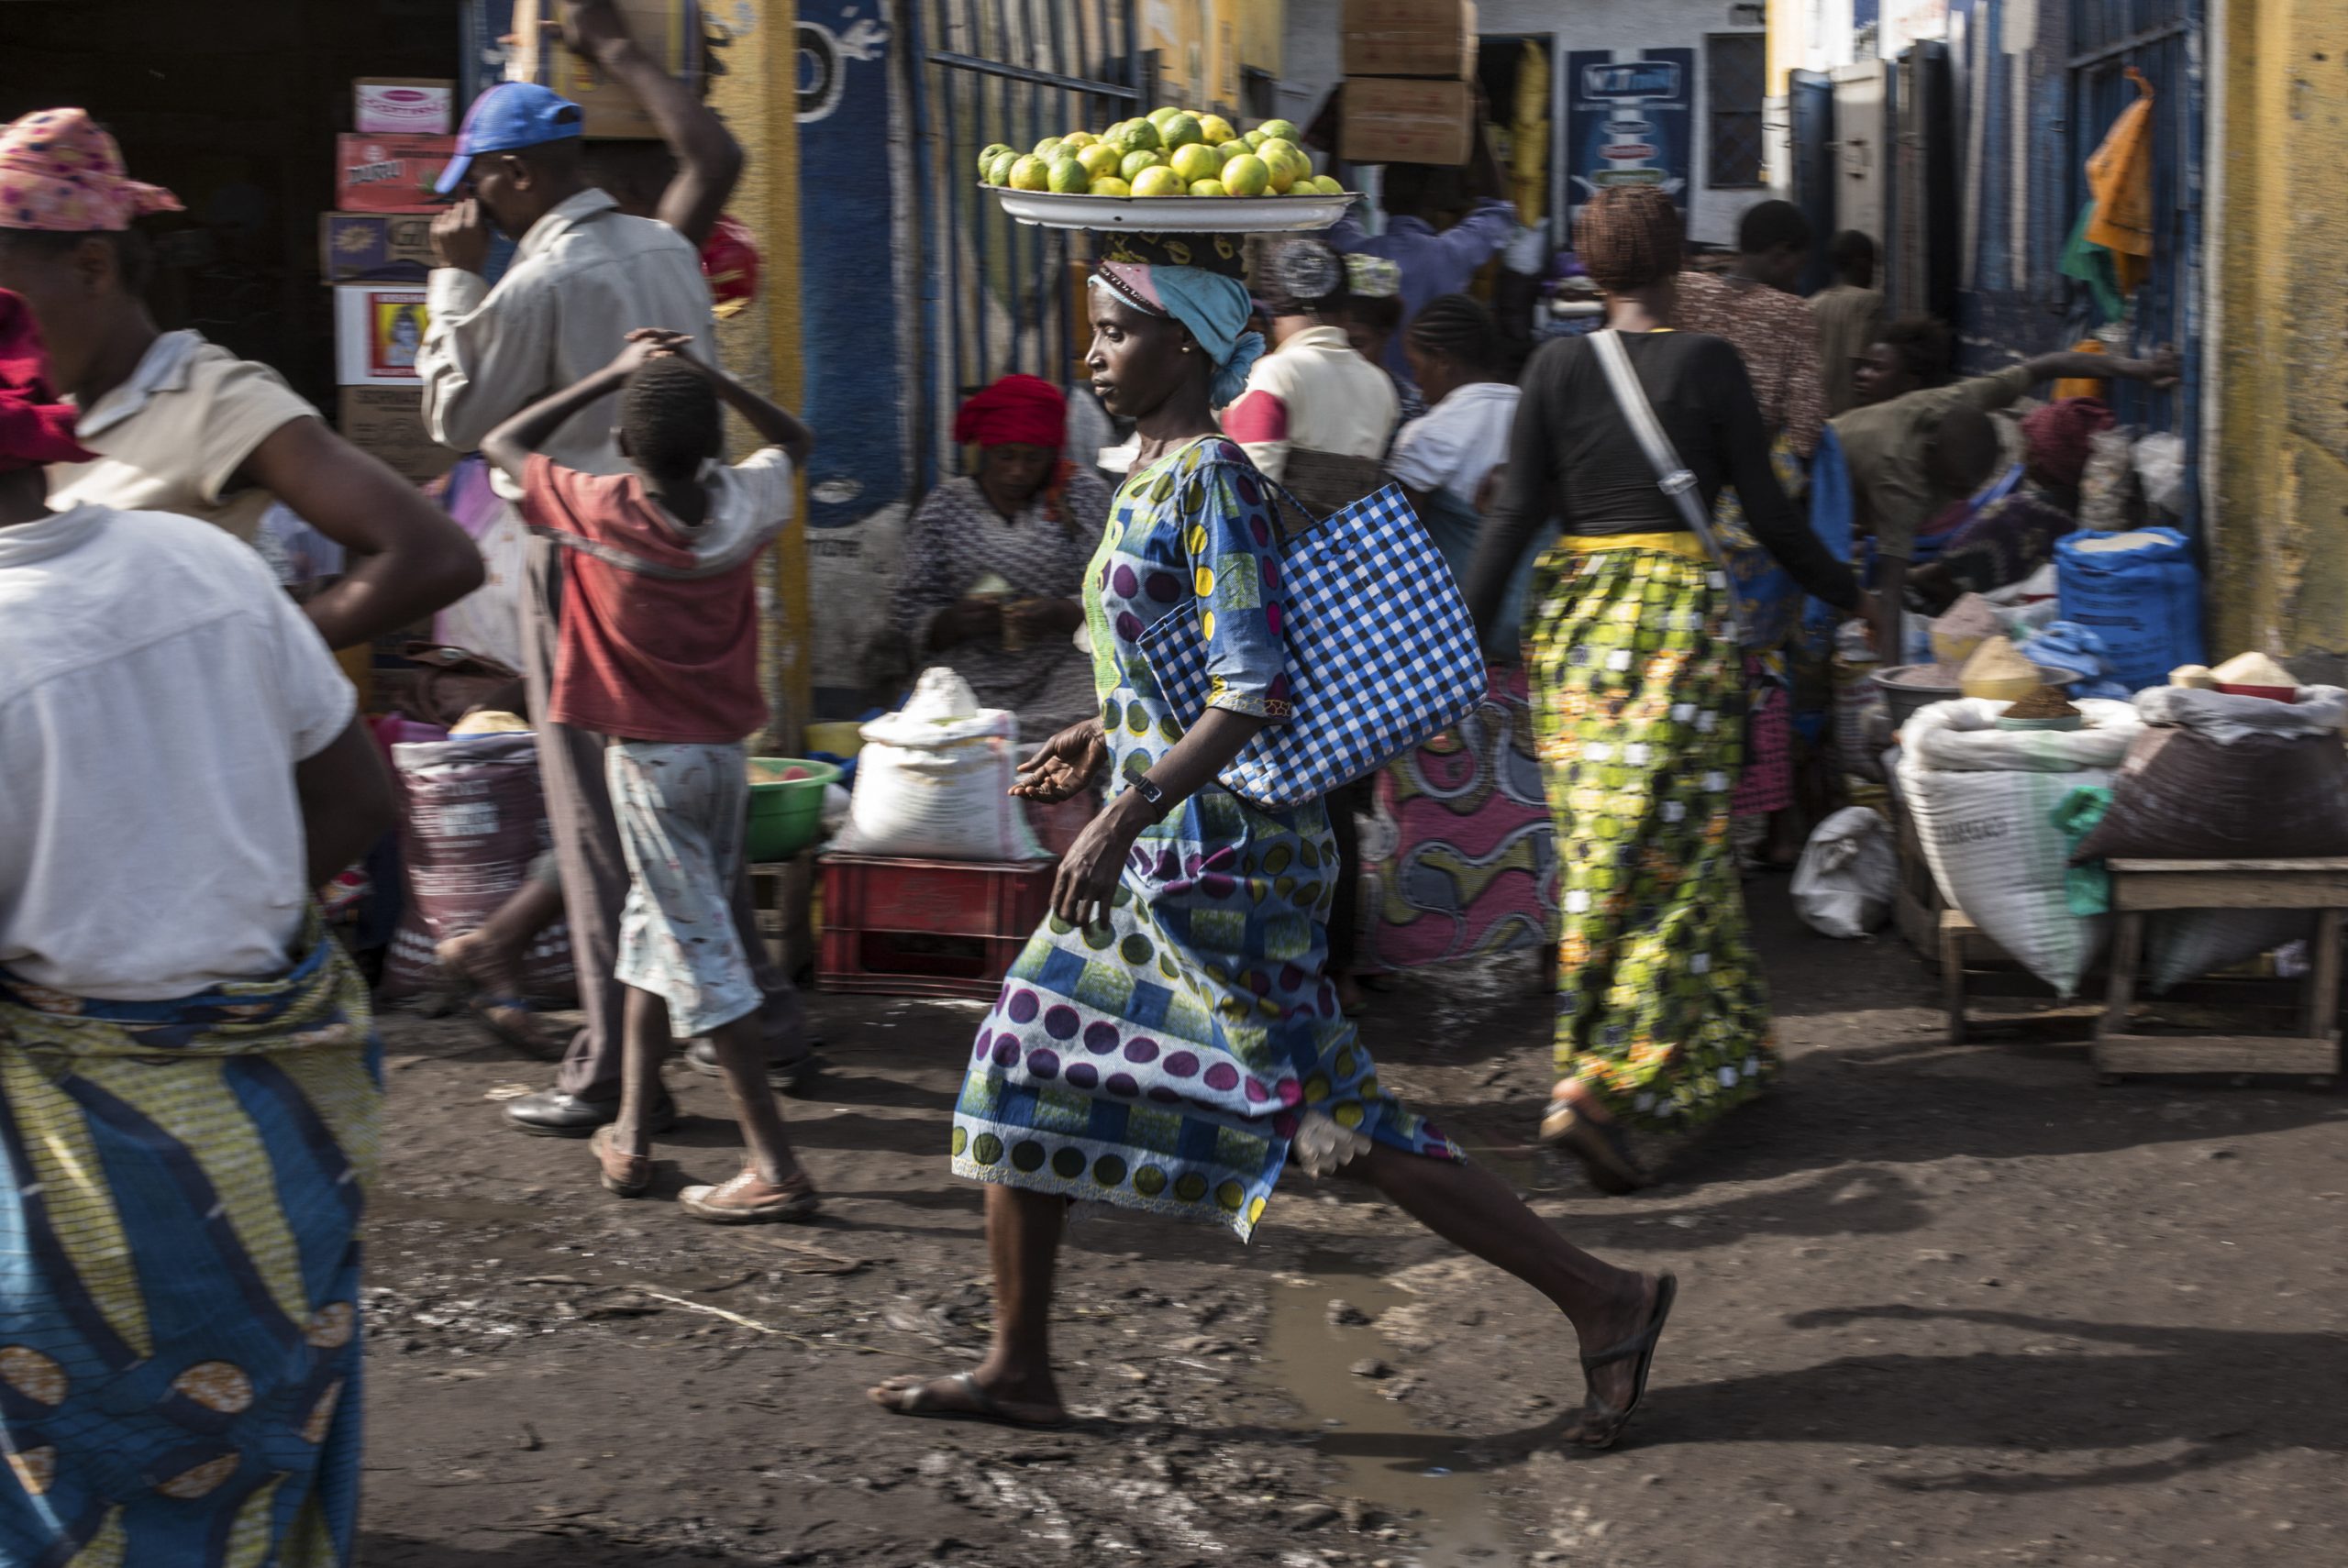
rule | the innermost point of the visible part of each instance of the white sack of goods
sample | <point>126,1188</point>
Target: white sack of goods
<point>933,781</point>
<point>2220,775</point>
<point>1848,876</point>
<point>1985,800</point>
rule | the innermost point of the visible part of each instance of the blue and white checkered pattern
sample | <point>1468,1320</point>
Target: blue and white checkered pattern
<point>1382,656</point>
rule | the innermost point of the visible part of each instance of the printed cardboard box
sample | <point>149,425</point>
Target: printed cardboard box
<point>388,423</point>
<point>374,247</point>
<point>403,105</point>
<point>390,173</point>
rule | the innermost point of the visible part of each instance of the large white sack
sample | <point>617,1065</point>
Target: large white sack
<point>933,781</point>
<point>1984,801</point>
<point>1848,876</point>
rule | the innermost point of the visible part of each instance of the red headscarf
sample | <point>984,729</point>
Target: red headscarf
<point>1017,410</point>
<point>36,429</point>
<point>2059,436</point>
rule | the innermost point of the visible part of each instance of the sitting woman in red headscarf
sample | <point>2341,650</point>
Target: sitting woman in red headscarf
<point>994,564</point>
<point>2014,535</point>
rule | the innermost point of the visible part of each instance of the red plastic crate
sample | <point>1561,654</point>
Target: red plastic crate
<point>927,928</point>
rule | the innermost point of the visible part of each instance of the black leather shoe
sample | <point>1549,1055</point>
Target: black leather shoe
<point>785,1076</point>
<point>551,1113</point>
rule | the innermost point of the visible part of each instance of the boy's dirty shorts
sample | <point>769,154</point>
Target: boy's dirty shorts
<point>683,812</point>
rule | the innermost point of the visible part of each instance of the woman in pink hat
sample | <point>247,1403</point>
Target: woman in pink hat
<point>180,425</point>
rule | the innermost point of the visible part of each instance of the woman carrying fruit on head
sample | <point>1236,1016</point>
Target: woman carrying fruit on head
<point>994,566</point>
<point>1168,1042</point>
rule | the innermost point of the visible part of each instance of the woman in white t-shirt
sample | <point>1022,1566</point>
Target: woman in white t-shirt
<point>1446,461</point>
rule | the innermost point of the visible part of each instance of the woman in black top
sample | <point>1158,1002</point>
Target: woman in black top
<point>1638,700</point>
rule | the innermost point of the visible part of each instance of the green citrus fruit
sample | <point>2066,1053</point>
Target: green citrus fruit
<point>1135,162</point>
<point>1195,161</point>
<point>1099,159</point>
<point>999,173</point>
<point>1047,148</point>
<point>1227,151</point>
<point>1110,186</point>
<point>1077,141</point>
<point>1069,177</point>
<point>1181,130</point>
<point>1216,129</point>
<point>986,159</point>
<point>1159,180</point>
<point>1140,135</point>
<point>1207,187</point>
<point>1282,130</point>
<point>1253,138</point>
<point>1159,116</point>
<point>1327,186</point>
<point>1031,174</point>
<point>1247,175</point>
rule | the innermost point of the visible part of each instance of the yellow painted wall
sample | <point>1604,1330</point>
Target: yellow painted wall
<point>2279,521</point>
<point>1178,30</point>
<point>1261,25</point>
<point>761,343</point>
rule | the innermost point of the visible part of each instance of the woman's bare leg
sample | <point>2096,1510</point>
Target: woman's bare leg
<point>1023,1245</point>
<point>1476,1212</point>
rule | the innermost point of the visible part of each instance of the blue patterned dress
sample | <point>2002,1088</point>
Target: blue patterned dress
<point>1168,1060</point>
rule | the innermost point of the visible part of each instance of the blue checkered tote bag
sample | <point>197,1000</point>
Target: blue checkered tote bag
<point>1382,654</point>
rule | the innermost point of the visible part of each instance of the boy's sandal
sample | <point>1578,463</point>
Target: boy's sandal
<point>629,1176</point>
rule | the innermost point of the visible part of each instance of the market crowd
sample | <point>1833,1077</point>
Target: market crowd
<point>190,1083</point>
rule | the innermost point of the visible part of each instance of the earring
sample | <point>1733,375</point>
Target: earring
<point>1186,348</point>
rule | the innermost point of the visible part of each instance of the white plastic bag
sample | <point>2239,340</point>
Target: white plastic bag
<point>1984,801</point>
<point>1848,876</point>
<point>932,781</point>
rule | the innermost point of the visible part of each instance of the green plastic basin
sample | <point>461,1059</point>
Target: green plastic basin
<point>786,813</point>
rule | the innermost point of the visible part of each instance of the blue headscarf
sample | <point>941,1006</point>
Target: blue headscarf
<point>1215,308</point>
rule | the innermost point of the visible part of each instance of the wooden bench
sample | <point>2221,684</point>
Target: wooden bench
<point>2142,886</point>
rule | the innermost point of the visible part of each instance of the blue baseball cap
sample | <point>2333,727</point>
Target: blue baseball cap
<point>509,116</point>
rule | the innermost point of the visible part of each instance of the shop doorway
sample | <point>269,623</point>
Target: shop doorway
<point>236,110</point>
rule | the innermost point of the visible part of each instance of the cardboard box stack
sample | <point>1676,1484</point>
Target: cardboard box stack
<point>375,254</point>
<point>1410,81</point>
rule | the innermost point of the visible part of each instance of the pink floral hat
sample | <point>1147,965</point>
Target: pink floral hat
<point>61,172</point>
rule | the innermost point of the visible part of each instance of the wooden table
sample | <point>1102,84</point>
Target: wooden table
<point>2141,887</point>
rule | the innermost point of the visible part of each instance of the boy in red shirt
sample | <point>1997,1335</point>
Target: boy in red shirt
<point>659,651</point>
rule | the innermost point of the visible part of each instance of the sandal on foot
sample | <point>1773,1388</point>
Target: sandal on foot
<point>629,1176</point>
<point>915,1399</point>
<point>748,1199</point>
<point>511,1018</point>
<point>1640,1349</point>
<point>1604,1153</point>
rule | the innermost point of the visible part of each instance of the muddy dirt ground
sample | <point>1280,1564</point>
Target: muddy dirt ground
<point>1937,1305</point>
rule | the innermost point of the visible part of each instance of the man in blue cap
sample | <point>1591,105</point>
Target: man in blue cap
<point>584,275</point>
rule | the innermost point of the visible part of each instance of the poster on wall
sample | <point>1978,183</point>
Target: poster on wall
<point>1628,121</point>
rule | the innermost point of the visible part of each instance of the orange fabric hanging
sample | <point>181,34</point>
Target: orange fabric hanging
<point>2075,386</point>
<point>2119,173</point>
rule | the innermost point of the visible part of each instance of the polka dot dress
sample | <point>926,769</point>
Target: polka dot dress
<point>1165,1060</point>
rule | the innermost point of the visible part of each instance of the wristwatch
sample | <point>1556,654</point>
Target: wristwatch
<point>1150,791</point>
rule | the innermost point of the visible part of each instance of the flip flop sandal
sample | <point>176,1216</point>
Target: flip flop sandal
<point>984,1406</point>
<point>628,1176</point>
<point>1604,1153</point>
<point>708,1203</point>
<point>469,993</point>
<point>1639,1348</point>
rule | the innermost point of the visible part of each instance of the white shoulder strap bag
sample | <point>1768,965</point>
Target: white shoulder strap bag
<point>1671,476</point>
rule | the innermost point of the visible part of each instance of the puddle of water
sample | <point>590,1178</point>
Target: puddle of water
<point>1422,1478</point>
